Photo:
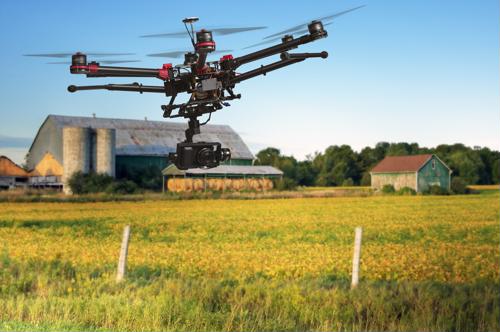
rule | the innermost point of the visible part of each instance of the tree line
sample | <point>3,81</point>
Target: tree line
<point>342,166</point>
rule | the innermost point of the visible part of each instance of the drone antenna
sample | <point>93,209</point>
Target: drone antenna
<point>190,21</point>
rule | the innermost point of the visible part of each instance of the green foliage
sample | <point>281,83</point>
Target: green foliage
<point>149,178</point>
<point>366,179</point>
<point>388,189</point>
<point>285,184</point>
<point>55,295</point>
<point>348,183</point>
<point>340,163</point>
<point>122,187</point>
<point>81,183</point>
<point>406,191</point>
<point>92,183</point>
<point>495,171</point>
<point>437,190</point>
<point>458,186</point>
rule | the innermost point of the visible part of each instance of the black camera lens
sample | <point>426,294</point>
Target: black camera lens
<point>206,157</point>
<point>225,154</point>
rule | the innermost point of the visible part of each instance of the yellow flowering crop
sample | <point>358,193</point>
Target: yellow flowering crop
<point>444,238</point>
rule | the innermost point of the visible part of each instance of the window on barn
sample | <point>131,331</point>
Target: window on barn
<point>433,164</point>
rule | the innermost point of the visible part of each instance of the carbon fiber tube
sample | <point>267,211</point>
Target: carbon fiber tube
<point>119,87</point>
<point>264,69</point>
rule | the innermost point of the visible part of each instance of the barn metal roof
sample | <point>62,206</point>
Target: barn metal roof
<point>145,137</point>
<point>228,170</point>
<point>401,163</point>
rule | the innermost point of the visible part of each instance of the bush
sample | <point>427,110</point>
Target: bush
<point>122,187</point>
<point>437,190</point>
<point>81,183</point>
<point>406,191</point>
<point>149,177</point>
<point>366,179</point>
<point>458,186</point>
<point>285,184</point>
<point>348,183</point>
<point>92,183</point>
<point>388,189</point>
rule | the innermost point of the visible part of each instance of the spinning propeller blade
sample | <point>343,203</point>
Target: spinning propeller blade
<point>273,40</point>
<point>178,54</point>
<point>67,55</point>
<point>107,62</point>
<point>293,29</point>
<point>215,31</point>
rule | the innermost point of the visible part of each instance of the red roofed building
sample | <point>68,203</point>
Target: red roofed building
<point>11,174</point>
<point>418,172</point>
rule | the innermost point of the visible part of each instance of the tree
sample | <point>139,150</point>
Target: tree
<point>267,156</point>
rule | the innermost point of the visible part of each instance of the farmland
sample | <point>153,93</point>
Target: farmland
<point>428,263</point>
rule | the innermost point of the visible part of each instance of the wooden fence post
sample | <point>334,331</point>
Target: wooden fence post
<point>122,262</point>
<point>356,257</point>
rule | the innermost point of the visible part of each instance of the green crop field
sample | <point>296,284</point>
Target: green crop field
<point>428,263</point>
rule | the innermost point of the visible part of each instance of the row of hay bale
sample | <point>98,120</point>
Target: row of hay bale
<point>190,184</point>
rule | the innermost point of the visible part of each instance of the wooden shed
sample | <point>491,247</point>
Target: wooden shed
<point>418,172</point>
<point>11,174</point>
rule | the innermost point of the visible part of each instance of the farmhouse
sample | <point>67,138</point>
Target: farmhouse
<point>67,144</point>
<point>418,172</point>
<point>11,174</point>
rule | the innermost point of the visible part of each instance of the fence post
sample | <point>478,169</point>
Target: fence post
<point>122,262</point>
<point>356,257</point>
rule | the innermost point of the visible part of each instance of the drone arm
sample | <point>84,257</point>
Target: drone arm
<point>286,55</point>
<point>134,87</point>
<point>316,32</point>
<point>263,70</point>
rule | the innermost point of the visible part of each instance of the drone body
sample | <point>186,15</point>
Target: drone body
<point>210,84</point>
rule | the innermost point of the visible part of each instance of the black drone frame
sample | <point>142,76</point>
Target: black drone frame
<point>210,84</point>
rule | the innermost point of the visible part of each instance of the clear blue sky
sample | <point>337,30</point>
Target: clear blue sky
<point>420,71</point>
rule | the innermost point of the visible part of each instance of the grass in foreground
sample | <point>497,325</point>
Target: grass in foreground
<point>428,263</point>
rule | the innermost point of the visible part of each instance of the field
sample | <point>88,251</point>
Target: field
<point>428,263</point>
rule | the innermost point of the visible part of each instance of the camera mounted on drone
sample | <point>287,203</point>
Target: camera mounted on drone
<point>209,84</point>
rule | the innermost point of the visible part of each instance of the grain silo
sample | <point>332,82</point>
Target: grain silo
<point>118,147</point>
<point>76,152</point>
<point>105,150</point>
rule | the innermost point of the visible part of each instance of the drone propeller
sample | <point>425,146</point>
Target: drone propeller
<point>273,40</point>
<point>178,54</point>
<point>107,62</point>
<point>67,55</point>
<point>296,28</point>
<point>215,31</point>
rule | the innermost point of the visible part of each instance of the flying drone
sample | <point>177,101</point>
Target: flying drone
<point>210,84</point>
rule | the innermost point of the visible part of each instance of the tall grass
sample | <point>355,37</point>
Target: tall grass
<point>58,295</point>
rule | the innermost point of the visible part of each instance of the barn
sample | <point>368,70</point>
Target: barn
<point>418,172</point>
<point>11,174</point>
<point>66,144</point>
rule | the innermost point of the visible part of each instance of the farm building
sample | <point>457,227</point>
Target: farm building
<point>66,144</point>
<point>11,174</point>
<point>221,178</point>
<point>418,172</point>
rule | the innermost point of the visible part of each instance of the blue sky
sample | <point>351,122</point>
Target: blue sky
<point>417,71</point>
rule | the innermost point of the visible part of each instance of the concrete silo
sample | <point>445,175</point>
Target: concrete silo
<point>105,151</point>
<point>76,153</point>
